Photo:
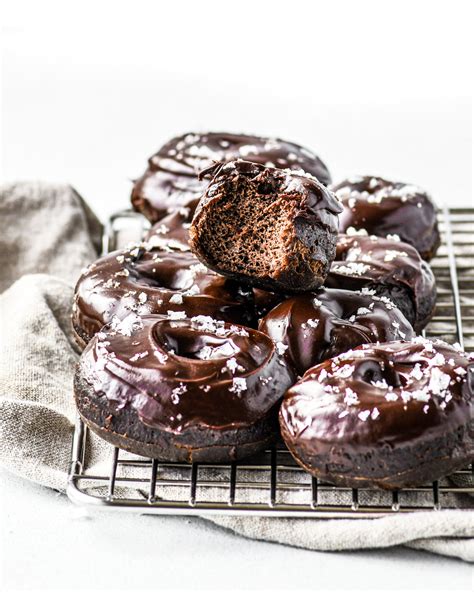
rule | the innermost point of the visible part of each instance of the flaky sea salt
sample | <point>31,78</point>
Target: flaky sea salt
<point>350,397</point>
<point>132,322</point>
<point>416,372</point>
<point>176,315</point>
<point>439,381</point>
<point>323,374</point>
<point>344,371</point>
<point>239,385</point>
<point>160,356</point>
<point>390,255</point>
<point>381,384</point>
<point>350,268</point>
<point>351,231</point>
<point>375,413</point>
<point>233,365</point>
<point>176,299</point>
<point>177,391</point>
<point>138,356</point>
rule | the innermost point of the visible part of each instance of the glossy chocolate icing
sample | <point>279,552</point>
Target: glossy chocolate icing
<point>386,208</point>
<point>313,327</point>
<point>369,410</point>
<point>265,301</point>
<point>145,280</point>
<point>390,268</point>
<point>172,231</point>
<point>181,374</point>
<point>306,239</point>
<point>171,179</point>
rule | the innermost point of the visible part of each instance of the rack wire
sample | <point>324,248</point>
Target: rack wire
<point>272,484</point>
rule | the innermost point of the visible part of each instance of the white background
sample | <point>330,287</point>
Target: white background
<point>91,89</point>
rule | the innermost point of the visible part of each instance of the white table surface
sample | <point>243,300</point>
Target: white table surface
<point>88,96</point>
<point>49,544</point>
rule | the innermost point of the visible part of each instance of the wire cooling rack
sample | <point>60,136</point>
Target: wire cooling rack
<point>271,483</point>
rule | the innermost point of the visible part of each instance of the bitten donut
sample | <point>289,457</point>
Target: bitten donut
<point>310,328</point>
<point>389,268</point>
<point>391,415</point>
<point>269,228</point>
<point>147,280</point>
<point>388,208</point>
<point>171,179</point>
<point>181,390</point>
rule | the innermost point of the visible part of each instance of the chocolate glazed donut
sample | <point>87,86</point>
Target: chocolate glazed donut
<point>388,208</point>
<point>182,390</point>
<point>146,280</point>
<point>389,268</point>
<point>391,415</point>
<point>171,179</point>
<point>172,233</point>
<point>272,229</point>
<point>311,328</point>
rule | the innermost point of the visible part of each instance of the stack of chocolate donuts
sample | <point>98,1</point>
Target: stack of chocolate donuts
<point>265,301</point>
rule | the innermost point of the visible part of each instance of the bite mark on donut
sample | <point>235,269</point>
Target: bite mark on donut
<point>252,224</point>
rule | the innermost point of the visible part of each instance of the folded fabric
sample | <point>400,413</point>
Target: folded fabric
<point>37,360</point>
<point>45,228</point>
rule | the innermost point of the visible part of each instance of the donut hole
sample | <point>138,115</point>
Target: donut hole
<point>373,374</point>
<point>185,342</point>
<point>377,372</point>
<point>228,343</point>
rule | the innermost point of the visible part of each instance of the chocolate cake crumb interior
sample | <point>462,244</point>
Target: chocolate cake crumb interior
<point>251,232</point>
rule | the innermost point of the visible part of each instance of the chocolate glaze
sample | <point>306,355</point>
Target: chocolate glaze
<point>313,327</point>
<point>172,231</point>
<point>391,415</point>
<point>182,374</point>
<point>265,301</point>
<point>147,280</point>
<point>171,179</point>
<point>391,268</point>
<point>310,233</point>
<point>385,208</point>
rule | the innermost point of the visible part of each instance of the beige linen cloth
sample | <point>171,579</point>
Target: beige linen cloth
<point>47,234</point>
